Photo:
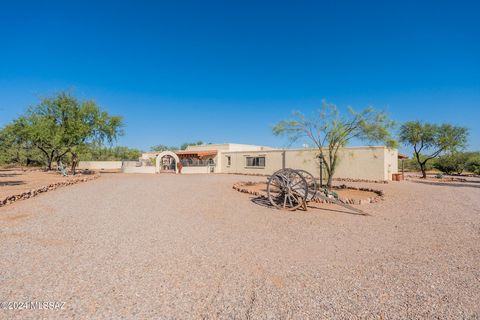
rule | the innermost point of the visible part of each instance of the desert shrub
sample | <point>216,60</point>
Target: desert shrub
<point>473,163</point>
<point>413,166</point>
<point>15,151</point>
<point>452,163</point>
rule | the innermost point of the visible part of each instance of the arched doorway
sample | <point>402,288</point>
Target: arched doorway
<point>166,161</point>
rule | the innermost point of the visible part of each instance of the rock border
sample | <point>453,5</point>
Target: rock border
<point>434,179</point>
<point>318,179</point>
<point>240,187</point>
<point>361,180</point>
<point>35,192</point>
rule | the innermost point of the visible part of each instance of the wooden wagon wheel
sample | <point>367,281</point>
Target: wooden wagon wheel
<point>287,189</point>
<point>311,182</point>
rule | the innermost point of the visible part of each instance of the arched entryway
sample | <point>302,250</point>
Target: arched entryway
<point>166,161</point>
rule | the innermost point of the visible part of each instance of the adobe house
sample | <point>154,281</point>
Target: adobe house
<point>194,159</point>
<point>376,163</point>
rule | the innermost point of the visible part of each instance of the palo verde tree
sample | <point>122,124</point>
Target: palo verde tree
<point>329,131</point>
<point>63,124</point>
<point>431,140</point>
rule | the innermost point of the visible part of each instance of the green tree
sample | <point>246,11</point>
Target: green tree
<point>430,140</point>
<point>186,144</point>
<point>14,150</point>
<point>162,147</point>
<point>452,163</point>
<point>329,131</point>
<point>63,124</point>
<point>94,152</point>
<point>473,163</point>
<point>412,164</point>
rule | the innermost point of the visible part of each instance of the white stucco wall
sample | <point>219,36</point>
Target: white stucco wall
<point>100,165</point>
<point>194,170</point>
<point>149,169</point>
<point>370,163</point>
<point>391,162</point>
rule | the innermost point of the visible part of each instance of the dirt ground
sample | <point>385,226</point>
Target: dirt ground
<point>16,181</point>
<point>191,247</point>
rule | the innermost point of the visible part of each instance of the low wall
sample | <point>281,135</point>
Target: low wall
<point>193,170</point>
<point>100,165</point>
<point>130,163</point>
<point>149,169</point>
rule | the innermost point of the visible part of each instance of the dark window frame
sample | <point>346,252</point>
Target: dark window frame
<point>255,161</point>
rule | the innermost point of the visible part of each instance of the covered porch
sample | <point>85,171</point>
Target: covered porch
<point>197,161</point>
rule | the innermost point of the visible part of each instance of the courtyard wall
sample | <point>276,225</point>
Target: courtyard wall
<point>99,165</point>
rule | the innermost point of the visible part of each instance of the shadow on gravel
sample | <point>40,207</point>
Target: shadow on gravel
<point>11,183</point>
<point>264,202</point>
<point>8,175</point>
<point>448,184</point>
<point>87,172</point>
<point>342,211</point>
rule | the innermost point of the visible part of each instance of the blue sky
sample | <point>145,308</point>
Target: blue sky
<point>227,71</point>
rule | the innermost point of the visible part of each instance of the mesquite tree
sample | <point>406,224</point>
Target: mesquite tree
<point>431,140</point>
<point>62,124</point>
<point>329,131</point>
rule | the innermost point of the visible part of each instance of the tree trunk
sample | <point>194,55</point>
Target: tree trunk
<point>424,170</point>
<point>330,165</point>
<point>74,162</point>
<point>421,164</point>
<point>49,162</point>
<point>329,181</point>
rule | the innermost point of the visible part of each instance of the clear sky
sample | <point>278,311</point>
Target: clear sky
<point>227,71</point>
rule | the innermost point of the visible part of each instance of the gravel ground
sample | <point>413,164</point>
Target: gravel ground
<point>16,181</point>
<point>181,247</point>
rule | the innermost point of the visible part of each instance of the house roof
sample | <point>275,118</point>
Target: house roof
<point>204,153</point>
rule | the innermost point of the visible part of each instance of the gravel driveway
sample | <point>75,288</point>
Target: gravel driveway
<point>181,247</point>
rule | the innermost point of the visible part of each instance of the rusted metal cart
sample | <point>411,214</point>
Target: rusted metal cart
<point>290,189</point>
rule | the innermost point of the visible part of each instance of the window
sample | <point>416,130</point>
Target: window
<point>255,161</point>
<point>229,160</point>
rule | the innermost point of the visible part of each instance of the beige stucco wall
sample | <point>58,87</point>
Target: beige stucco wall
<point>100,165</point>
<point>370,163</point>
<point>130,163</point>
<point>148,155</point>
<point>145,169</point>
<point>195,170</point>
<point>209,147</point>
<point>391,162</point>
